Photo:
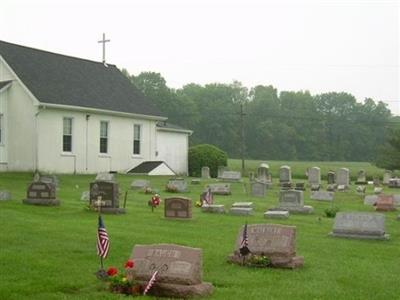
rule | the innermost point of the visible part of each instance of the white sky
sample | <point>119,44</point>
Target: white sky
<point>315,45</point>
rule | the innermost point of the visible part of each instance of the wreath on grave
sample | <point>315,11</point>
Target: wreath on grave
<point>258,261</point>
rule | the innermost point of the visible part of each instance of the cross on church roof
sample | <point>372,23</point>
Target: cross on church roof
<point>104,41</point>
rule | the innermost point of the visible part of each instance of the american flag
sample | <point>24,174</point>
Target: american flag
<point>244,250</point>
<point>103,243</point>
<point>208,197</point>
<point>151,282</point>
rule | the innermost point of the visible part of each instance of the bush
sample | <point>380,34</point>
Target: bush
<point>206,156</point>
<point>331,212</point>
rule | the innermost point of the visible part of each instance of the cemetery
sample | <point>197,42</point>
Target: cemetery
<point>293,245</point>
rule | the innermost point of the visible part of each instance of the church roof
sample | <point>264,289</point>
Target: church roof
<point>164,125</point>
<point>65,80</point>
<point>4,83</point>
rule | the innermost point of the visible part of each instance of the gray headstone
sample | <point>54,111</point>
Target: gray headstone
<point>213,208</point>
<point>285,174</point>
<point>258,189</point>
<point>361,189</point>
<point>396,199</point>
<point>140,184</point>
<point>178,185</point>
<point>52,179</point>
<point>205,172</point>
<point>243,204</point>
<point>241,211</point>
<point>252,176</point>
<point>105,177</point>
<point>386,177</point>
<point>331,177</point>
<point>343,177</point>
<point>178,208</point>
<point>322,196</point>
<point>314,176</point>
<point>276,214</point>
<point>180,270</point>
<point>378,190</point>
<point>220,188</point>
<point>370,199</point>
<point>231,176</point>
<point>293,201</point>
<point>108,194</point>
<point>263,173</point>
<point>360,225</point>
<point>5,196</point>
<point>221,170</point>
<point>361,177</point>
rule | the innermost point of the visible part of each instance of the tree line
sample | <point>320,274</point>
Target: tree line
<point>289,125</point>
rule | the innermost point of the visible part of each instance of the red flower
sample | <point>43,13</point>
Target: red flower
<point>129,264</point>
<point>112,271</point>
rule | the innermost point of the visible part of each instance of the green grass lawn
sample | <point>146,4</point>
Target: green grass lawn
<point>299,167</point>
<point>50,252</point>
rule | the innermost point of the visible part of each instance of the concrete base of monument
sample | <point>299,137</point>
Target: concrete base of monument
<point>111,210</point>
<point>179,290</point>
<point>360,236</point>
<point>214,208</point>
<point>43,202</point>
<point>306,209</point>
<point>284,262</point>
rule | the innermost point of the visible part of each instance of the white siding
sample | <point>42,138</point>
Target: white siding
<point>19,113</point>
<point>172,148</point>
<point>120,143</point>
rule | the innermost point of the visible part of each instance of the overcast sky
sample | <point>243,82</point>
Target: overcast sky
<point>315,45</point>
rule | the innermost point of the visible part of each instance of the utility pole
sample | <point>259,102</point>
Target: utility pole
<point>242,114</point>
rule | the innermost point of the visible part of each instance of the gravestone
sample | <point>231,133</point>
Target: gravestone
<point>41,193</point>
<point>263,174</point>
<point>180,273</point>
<point>221,170</point>
<point>378,190</point>
<point>361,177</point>
<point>394,183</point>
<point>331,187</point>
<point>276,214</point>
<point>213,208</point>
<point>386,177</point>
<point>220,188</point>
<point>385,203</point>
<point>258,189</point>
<point>177,185</point>
<point>178,208</point>
<point>205,172</point>
<point>359,225</point>
<point>315,187</point>
<point>105,177</point>
<point>370,199</point>
<point>322,196</point>
<point>85,196</point>
<point>314,176</point>
<point>104,195</point>
<point>293,201</point>
<point>376,181</point>
<point>5,195</point>
<point>343,177</point>
<point>52,179</point>
<point>285,175</point>
<point>241,208</point>
<point>195,181</point>
<point>331,177</point>
<point>341,187</point>
<point>232,176</point>
<point>396,199</point>
<point>140,184</point>
<point>277,242</point>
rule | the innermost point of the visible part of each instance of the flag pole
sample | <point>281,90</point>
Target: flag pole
<point>99,211</point>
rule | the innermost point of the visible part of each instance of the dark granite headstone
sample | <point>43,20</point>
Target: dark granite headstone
<point>41,193</point>
<point>178,207</point>
<point>107,192</point>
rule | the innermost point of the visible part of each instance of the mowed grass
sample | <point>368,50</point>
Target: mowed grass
<point>299,168</point>
<point>50,252</point>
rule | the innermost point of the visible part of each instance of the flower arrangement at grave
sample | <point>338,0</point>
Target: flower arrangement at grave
<point>119,282</point>
<point>198,203</point>
<point>258,261</point>
<point>154,201</point>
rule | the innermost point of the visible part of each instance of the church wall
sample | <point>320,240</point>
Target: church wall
<point>85,156</point>
<point>172,147</point>
<point>19,115</point>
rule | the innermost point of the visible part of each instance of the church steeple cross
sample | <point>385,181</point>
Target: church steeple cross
<point>104,41</point>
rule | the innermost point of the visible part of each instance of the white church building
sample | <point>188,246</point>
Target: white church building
<point>61,114</point>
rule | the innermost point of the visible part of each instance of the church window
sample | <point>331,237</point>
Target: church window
<point>67,135</point>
